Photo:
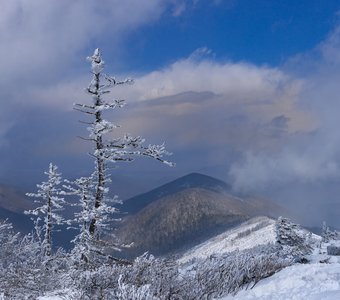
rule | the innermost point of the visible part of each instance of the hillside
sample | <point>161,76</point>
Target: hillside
<point>180,220</point>
<point>12,206</point>
<point>12,200</point>
<point>254,232</point>
<point>192,180</point>
<point>185,212</point>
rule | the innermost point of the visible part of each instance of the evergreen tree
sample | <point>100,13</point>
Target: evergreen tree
<point>107,150</point>
<point>48,196</point>
<point>85,246</point>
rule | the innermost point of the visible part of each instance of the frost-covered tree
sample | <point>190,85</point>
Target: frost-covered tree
<point>48,196</point>
<point>105,149</point>
<point>8,240</point>
<point>85,246</point>
<point>25,271</point>
<point>327,234</point>
<point>83,189</point>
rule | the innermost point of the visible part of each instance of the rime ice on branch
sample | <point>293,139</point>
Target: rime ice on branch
<point>48,196</point>
<point>122,149</point>
<point>85,246</point>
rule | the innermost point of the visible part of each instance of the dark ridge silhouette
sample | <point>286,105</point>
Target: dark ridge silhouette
<point>20,222</point>
<point>192,180</point>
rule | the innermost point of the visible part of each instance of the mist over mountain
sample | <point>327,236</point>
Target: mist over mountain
<point>167,219</point>
<point>12,207</point>
<point>184,212</point>
<point>13,200</point>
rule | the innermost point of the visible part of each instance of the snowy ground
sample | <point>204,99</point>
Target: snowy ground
<point>308,282</point>
<point>59,295</point>
<point>313,281</point>
<point>256,231</point>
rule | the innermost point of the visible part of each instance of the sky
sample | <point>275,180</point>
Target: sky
<point>243,90</point>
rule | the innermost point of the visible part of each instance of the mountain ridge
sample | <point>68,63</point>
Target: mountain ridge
<point>191,180</point>
<point>185,212</point>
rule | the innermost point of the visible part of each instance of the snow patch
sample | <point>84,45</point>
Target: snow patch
<point>256,231</point>
<point>312,281</point>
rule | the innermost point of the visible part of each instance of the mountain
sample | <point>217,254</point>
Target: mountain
<point>185,212</point>
<point>193,180</point>
<point>12,207</point>
<point>13,200</point>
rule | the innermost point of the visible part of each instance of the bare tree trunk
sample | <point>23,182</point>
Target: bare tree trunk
<point>48,237</point>
<point>100,162</point>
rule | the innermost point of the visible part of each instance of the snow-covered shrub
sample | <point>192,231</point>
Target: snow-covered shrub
<point>158,278</point>
<point>333,250</point>
<point>161,275</point>
<point>146,278</point>
<point>226,274</point>
<point>95,283</point>
<point>129,291</point>
<point>25,271</point>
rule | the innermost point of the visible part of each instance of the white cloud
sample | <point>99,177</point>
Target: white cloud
<point>330,48</point>
<point>43,43</point>
<point>262,171</point>
<point>40,37</point>
<point>237,80</point>
<point>306,158</point>
<point>227,104</point>
<point>261,93</point>
<point>243,104</point>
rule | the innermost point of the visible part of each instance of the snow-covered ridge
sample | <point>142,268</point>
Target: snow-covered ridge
<point>254,232</point>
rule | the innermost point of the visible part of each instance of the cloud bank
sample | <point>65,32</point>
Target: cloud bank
<point>44,45</point>
<point>260,127</point>
<point>41,38</point>
<point>312,157</point>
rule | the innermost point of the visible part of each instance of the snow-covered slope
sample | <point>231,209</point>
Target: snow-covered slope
<point>298,282</point>
<point>317,280</point>
<point>254,232</point>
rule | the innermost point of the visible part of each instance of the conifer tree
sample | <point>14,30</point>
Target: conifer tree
<point>85,245</point>
<point>51,203</point>
<point>106,150</point>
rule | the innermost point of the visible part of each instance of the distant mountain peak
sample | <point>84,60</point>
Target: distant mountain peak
<point>192,180</point>
<point>202,180</point>
<point>183,212</point>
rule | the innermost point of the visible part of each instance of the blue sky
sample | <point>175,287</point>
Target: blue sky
<point>244,90</point>
<point>261,32</point>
